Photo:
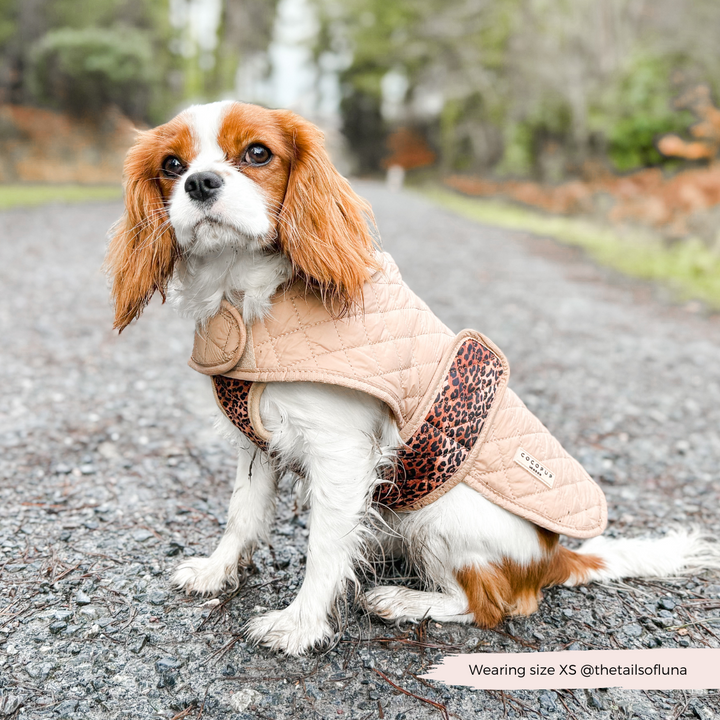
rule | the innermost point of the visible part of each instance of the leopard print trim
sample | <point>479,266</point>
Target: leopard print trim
<point>441,443</point>
<point>232,397</point>
<point>453,424</point>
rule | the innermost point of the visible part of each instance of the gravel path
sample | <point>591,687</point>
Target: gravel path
<point>110,473</point>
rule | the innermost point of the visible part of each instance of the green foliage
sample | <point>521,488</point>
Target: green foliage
<point>637,109</point>
<point>84,71</point>
<point>518,156</point>
<point>8,20</point>
<point>585,76</point>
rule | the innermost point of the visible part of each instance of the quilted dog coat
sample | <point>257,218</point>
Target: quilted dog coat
<point>448,393</point>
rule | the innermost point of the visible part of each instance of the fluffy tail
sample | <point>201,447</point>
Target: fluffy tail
<point>680,552</point>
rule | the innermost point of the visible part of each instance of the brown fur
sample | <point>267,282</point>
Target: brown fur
<point>323,224</point>
<point>509,588</point>
<point>142,252</point>
<point>319,222</point>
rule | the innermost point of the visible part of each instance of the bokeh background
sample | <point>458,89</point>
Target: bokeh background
<point>603,110</point>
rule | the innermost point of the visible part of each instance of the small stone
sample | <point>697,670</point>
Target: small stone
<point>88,613</point>
<point>703,712</point>
<point>138,645</point>
<point>243,699</point>
<point>62,469</point>
<point>595,700</point>
<point>87,469</point>
<point>167,680</point>
<point>57,626</point>
<point>82,598</point>
<point>142,535</point>
<point>157,597</point>
<point>166,664</point>
<point>667,603</point>
<point>173,549</point>
<point>547,701</point>
<point>10,703</point>
<point>66,708</point>
<point>40,671</point>
<point>633,630</point>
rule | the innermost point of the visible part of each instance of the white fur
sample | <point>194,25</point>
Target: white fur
<point>249,517</point>
<point>212,236</point>
<point>225,243</point>
<point>679,552</point>
<point>340,439</point>
<point>460,529</point>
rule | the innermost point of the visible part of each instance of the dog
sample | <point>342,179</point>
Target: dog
<point>232,210</point>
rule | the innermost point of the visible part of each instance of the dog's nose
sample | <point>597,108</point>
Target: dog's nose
<point>203,185</point>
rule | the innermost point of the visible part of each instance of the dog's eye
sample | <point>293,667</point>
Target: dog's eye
<point>257,155</point>
<point>172,167</point>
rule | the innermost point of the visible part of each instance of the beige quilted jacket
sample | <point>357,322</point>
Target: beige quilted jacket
<point>457,417</point>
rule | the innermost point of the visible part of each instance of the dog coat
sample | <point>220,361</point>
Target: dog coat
<point>458,420</point>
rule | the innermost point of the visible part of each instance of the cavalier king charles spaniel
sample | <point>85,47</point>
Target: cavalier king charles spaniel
<point>232,203</point>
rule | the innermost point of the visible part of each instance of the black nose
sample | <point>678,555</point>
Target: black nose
<point>203,185</point>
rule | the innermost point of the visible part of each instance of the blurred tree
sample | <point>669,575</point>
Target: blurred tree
<point>85,71</point>
<point>82,56</point>
<point>636,109</point>
<point>527,86</point>
<point>210,63</point>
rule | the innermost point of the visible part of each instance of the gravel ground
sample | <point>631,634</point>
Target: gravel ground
<point>110,474</point>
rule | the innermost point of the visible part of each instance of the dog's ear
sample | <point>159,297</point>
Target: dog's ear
<point>142,251</point>
<point>323,226</point>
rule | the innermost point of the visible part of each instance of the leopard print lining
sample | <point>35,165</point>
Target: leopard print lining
<point>447,435</point>
<point>232,397</point>
<point>438,447</point>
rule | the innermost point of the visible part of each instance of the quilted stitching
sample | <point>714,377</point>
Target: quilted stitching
<point>574,506</point>
<point>374,346</point>
<point>376,350</point>
<point>218,346</point>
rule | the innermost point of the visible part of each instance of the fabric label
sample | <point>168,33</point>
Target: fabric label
<point>525,460</point>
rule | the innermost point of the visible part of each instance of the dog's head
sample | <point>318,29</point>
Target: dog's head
<point>233,174</point>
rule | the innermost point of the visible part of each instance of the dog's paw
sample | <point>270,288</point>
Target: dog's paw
<point>398,604</point>
<point>206,576</point>
<point>387,602</point>
<point>290,631</point>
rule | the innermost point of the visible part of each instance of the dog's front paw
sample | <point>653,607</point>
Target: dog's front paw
<point>290,630</point>
<point>206,576</point>
<point>386,601</point>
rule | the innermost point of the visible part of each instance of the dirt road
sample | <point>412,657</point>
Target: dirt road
<point>110,474</point>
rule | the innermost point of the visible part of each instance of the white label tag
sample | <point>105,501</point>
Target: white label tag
<point>525,460</point>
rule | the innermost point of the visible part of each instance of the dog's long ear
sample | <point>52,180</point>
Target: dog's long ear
<point>142,252</point>
<point>323,224</point>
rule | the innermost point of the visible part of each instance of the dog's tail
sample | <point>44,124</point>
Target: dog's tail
<point>680,552</point>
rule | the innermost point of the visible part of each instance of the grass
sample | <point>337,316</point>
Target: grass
<point>689,267</point>
<point>12,196</point>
